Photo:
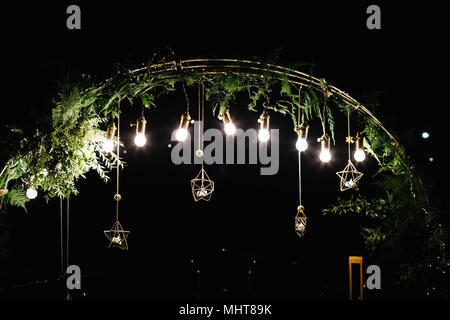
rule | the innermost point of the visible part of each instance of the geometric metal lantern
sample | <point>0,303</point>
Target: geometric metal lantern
<point>349,177</point>
<point>300,221</point>
<point>117,236</point>
<point>202,186</point>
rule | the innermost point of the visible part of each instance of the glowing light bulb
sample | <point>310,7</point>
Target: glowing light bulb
<point>301,144</point>
<point>230,128</point>
<point>349,183</point>
<point>325,155</point>
<point>425,135</point>
<point>140,139</point>
<point>181,134</point>
<point>359,155</point>
<point>31,193</point>
<point>108,145</point>
<point>263,135</point>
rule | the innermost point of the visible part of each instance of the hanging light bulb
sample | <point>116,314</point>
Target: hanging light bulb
<point>229,127</point>
<point>325,154</point>
<point>108,144</point>
<point>31,193</point>
<point>140,139</point>
<point>182,131</point>
<point>264,134</point>
<point>302,143</point>
<point>359,153</point>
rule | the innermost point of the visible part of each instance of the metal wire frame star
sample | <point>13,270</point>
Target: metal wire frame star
<point>349,177</point>
<point>117,236</point>
<point>300,221</point>
<point>202,186</point>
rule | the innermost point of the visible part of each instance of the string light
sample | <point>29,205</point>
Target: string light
<point>425,135</point>
<point>31,193</point>
<point>229,127</point>
<point>302,143</point>
<point>108,144</point>
<point>182,132</point>
<point>359,154</point>
<point>325,154</point>
<point>140,140</point>
<point>264,134</point>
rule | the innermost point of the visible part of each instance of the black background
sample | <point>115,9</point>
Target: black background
<point>250,216</point>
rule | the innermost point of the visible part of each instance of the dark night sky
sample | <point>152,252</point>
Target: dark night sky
<point>250,215</point>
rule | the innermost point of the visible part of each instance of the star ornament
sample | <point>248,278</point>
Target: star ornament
<point>349,177</point>
<point>202,186</point>
<point>117,237</point>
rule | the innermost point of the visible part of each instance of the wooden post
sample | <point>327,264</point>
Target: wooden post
<point>358,260</point>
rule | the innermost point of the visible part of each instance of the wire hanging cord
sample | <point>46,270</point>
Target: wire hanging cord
<point>349,138</point>
<point>117,196</point>
<point>299,152</point>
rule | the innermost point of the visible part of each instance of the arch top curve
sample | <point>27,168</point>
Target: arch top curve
<point>255,68</point>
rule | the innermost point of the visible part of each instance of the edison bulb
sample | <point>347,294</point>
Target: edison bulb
<point>108,145</point>
<point>31,193</point>
<point>140,139</point>
<point>263,135</point>
<point>325,155</point>
<point>301,144</point>
<point>230,128</point>
<point>181,134</point>
<point>359,155</point>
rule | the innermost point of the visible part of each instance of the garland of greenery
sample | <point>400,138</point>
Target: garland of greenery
<point>53,158</point>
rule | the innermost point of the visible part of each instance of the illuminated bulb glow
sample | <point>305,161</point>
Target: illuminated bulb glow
<point>425,135</point>
<point>325,155</point>
<point>181,134</point>
<point>301,144</point>
<point>359,155</point>
<point>31,193</point>
<point>108,145</point>
<point>230,128</point>
<point>263,135</point>
<point>140,139</point>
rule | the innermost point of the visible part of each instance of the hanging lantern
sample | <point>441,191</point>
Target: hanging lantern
<point>182,131</point>
<point>140,139</point>
<point>202,186</point>
<point>264,134</point>
<point>117,236</point>
<point>300,221</point>
<point>228,125</point>
<point>349,177</point>
<point>325,154</point>
<point>108,144</point>
<point>359,154</point>
<point>302,143</point>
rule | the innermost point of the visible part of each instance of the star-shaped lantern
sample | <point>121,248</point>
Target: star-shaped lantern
<point>349,177</point>
<point>202,186</point>
<point>117,236</point>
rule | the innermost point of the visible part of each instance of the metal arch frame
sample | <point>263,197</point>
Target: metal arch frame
<point>237,66</point>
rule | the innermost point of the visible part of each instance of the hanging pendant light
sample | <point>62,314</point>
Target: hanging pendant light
<point>264,134</point>
<point>300,221</point>
<point>325,154</point>
<point>302,143</point>
<point>228,125</point>
<point>108,144</point>
<point>182,131</point>
<point>350,176</point>
<point>359,154</point>
<point>140,139</point>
